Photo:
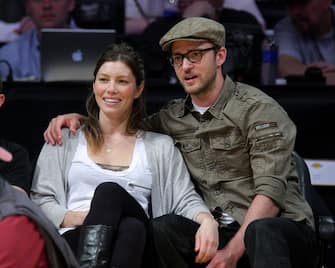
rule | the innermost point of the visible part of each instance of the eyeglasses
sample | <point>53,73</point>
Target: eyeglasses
<point>193,56</point>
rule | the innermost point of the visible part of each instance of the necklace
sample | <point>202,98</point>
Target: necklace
<point>109,148</point>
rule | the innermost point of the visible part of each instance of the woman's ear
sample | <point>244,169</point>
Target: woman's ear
<point>93,88</point>
<point>139,90</point>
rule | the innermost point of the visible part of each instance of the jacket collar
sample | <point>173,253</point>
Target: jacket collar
<point>217,109</point>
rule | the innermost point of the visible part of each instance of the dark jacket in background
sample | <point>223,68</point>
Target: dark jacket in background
<point>18,172</point>
<point>15,202</point>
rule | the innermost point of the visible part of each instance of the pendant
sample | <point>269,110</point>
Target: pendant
<point>108,150</point>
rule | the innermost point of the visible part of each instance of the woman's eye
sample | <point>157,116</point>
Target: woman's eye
<point>103,80</point>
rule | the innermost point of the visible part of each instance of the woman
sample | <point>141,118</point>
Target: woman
<point>102,185</point>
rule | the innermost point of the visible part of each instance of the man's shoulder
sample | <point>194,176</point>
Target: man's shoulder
<point>250,94</point>
<point>174,105</point>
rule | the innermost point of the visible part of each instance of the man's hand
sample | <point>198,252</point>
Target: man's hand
<point>5,155</point>
<point>327,69</point>
<point>224,258</point>
<point>25,25</point>
<point>53,134</point>
<point>74,218</point>
<point>206,238</point>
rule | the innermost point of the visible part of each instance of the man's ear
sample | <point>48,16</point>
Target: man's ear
<point>221,56</point>
<point>2,99</point>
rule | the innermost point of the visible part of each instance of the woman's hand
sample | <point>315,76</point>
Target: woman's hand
<point>73,218</point>
<point>207,238</point>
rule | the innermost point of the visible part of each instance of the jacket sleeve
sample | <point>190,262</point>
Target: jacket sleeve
<point>176,190</point>
<point>49,184</point>
<point>271,136</point>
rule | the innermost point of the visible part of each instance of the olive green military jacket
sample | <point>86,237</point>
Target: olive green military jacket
<point>240,147</point>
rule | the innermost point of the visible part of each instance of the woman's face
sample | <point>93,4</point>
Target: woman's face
<point>115,90</point>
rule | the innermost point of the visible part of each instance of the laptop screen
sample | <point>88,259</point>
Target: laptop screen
<point>71,54</point>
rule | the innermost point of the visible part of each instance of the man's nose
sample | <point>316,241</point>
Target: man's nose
<point>186,63</point>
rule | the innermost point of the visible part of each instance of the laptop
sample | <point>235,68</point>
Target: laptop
<point>71,54</point>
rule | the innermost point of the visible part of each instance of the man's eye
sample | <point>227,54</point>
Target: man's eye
<point>194,54</point>
<point>177,58</point>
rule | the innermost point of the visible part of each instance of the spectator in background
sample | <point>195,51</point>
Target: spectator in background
<point>23,54</point>
<point>28,239</point>
<point>18,171</point>
<point>13,20</point>
<point>140,13</point>
<point>306,38</point>
<point>9,31</point>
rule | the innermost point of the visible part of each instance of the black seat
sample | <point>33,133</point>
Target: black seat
<point>324,220</point>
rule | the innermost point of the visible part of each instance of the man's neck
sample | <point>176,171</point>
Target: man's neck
<point>208,98</point>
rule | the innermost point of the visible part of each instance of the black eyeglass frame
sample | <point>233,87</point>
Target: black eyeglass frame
<point>186,55</point>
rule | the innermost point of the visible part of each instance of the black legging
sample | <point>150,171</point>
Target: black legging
<point>112,205</point>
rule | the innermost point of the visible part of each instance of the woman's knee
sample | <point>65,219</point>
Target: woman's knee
<point>168,221</point>
<point>106,188</point>
<point>133,227</point>
<point>174,226</point>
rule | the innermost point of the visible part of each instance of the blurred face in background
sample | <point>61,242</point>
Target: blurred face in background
<point>308,17</point>
<point>50,13</point>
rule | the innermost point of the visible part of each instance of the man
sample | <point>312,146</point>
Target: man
<point>237,143</point>
<point>18,171</point>
<point>22,55</point>
<point>28,239</point>
<point>306,38</point>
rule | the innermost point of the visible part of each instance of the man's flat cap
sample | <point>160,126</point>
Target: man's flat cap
<point>195,29</point>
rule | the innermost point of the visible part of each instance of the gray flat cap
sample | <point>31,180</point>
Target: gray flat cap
<point>195,29</point>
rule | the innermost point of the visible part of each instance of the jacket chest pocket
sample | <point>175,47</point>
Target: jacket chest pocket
<point>191,150</point>
<point>231,155</point>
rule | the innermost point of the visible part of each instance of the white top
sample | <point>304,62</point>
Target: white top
<point>200,109</point>
<point>85,175</point>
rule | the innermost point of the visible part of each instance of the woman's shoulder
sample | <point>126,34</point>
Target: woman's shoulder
<point>68,135</point>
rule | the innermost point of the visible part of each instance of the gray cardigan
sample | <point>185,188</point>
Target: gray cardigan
<point>172,189</point>
<point>15,202</point>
